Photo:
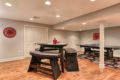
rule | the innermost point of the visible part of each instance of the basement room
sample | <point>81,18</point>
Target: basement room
<point>59,39</point>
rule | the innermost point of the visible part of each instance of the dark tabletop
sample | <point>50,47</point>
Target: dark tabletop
<point>97,46</point>
<point>52,45</point>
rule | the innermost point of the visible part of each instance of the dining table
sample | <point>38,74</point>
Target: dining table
<point>51,46</point>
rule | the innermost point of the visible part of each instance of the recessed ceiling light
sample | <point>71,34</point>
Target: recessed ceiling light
<point>84,23</point>
<point>31,19</point>
<point>57,16</point>
<point>80,29</point>
<point>92,0</point>
<point>8,4</point>
<point>47,3</point>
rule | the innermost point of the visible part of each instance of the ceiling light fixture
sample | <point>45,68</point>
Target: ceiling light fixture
<point>31,19</point>
<point>92,0</point>
<point>84,23</point>
<point>47,2</point>
<point>8,4</point>
<point>57,16</point>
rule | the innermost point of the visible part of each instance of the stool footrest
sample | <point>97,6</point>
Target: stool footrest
<point>40,70</point>
<point>47,69</point>
<point>45,63</point>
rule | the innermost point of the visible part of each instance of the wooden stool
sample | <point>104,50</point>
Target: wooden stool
<point>71,60</point>
<point>36,63</point>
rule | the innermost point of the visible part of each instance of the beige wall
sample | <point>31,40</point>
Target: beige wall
<point>87,37</point>
<point>69,37</point>
<point>112,36</point>
<point>13,48</point>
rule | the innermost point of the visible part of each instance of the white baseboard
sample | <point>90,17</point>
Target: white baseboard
<point>102,66</point>
<point>27,56</point>
<point>11,59</point>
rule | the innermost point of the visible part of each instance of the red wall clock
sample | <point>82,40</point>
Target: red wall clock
<point>9,32</point>
<point>96,36</point>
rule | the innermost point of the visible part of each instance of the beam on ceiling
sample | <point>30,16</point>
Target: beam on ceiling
<point>115,9</point>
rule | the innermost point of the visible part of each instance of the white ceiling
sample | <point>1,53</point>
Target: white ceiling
<point>108,21</point>
<point>68,9</point>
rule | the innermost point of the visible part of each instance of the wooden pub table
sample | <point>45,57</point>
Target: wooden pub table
<point>51,46</point>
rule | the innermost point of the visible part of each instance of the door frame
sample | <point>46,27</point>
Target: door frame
<point>32,26</point>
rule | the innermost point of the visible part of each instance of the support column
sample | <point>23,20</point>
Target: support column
<point>101,57</point>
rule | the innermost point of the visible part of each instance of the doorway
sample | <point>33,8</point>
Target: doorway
<point>33,35</point>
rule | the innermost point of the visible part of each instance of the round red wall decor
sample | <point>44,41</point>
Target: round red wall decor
<point>9,32</point>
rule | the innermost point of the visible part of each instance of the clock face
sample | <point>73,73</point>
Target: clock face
<point>96,36</point>
<point>9,32</point>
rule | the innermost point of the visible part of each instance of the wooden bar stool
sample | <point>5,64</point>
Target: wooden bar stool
<point>36,63</point>
<point>71,60</point>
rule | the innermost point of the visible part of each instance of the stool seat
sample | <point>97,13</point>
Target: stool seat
<point>45,54</point>
<point>70,51</point>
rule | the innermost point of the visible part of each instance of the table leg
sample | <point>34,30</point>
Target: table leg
<point>85,51</point>
<point>89,52</point>
<point>110,54</point>
<point>61,59</point>
<point>42,48</point>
